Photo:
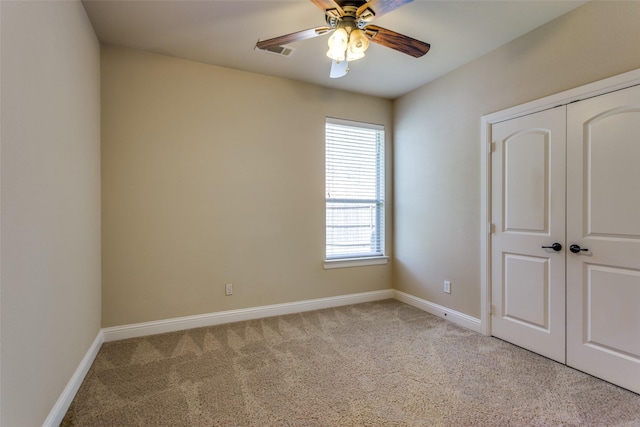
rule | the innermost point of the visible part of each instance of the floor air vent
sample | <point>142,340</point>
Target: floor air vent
<point>278,50</point>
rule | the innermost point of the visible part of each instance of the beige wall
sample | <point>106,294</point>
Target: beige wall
<point>211,175</point>
<point>214,176</point>
<point>437,140</point>
<point>50,196</point>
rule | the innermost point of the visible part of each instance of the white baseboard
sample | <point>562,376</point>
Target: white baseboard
<point>64,401</point>
<point>453,316</point>
<point>211,319</point>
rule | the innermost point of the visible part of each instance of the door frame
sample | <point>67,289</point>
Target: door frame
<point>611,84</point>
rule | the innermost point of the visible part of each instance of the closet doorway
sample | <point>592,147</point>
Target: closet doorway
<point>564,277</point>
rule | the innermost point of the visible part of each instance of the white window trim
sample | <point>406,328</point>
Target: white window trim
<point>330,264</point>
<point>364,260</point>
<point>344,122</point>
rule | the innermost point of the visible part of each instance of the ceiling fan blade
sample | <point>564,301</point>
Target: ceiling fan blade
<point>338,69</point>
<point>396,41</point>
<point>325,5</point>
<point>380,7</point>
<point>293,37</point>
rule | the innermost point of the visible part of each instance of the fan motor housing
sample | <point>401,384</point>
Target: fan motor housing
<point>350,18</point>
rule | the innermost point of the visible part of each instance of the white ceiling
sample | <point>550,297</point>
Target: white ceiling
<point>224,33</point>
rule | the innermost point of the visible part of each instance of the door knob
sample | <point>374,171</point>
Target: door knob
<point>576,249</point>
<point>555,246</point>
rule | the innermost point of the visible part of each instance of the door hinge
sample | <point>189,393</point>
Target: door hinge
<point>490,228</point>
<point>492,147</point>
<point>493,310</point>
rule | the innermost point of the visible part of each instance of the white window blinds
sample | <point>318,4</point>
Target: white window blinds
<point>354,189</point>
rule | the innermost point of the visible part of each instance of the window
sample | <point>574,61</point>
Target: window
<point>354,190</point>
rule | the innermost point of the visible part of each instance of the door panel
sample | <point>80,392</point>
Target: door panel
<point>526,166</point>
<point>613,173</point>
<point>528,205</point>
<point>526,290</point>
<point>606,315</point>
<point>603,216</point>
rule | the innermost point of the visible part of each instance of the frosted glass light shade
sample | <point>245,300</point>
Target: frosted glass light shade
<point>358,44</point>
<point>338,44</point>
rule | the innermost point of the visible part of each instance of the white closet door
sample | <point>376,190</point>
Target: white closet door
<point>528,209</point>
<point>603,219</point>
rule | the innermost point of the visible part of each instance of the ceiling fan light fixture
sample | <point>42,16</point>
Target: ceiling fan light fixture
<point>358,45</point>
<point>349,22</point>
<point>338,44</point>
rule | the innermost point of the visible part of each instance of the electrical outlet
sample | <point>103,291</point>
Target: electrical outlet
<point>228,289</point>
<point>447,286</point>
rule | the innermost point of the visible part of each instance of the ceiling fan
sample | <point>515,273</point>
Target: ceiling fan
<point>349,23</point>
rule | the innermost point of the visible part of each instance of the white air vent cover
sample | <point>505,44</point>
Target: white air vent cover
<point>278,50</point>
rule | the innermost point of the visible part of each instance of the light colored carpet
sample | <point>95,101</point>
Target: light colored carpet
<point>374,364</point>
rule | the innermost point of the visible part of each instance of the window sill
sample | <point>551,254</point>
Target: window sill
<point>330,264</point>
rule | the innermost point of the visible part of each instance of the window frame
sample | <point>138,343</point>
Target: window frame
<point>355,260</point>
